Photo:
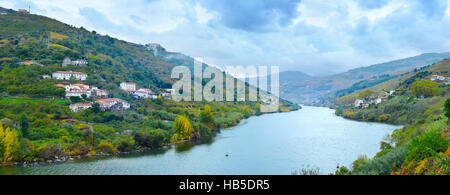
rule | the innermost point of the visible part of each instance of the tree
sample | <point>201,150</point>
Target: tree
<point>9,144</point>
<point>425,88</point>
<point>206,115</point>
<point>183,129</point>
<point>75,99</point>
<point>24,124</point>
<point>447,108</point>
<point>246,112</point>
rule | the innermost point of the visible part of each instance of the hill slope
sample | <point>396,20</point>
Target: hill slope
<point>38,111</point>
<point>317,87</point>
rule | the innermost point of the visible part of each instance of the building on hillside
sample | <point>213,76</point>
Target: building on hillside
<point>23,11</point>
<point>167,93</point>
<point>100,93</point>
<point>358,103</point>
<point>46,76</point>
<point>77,93</point>
<point>365,106</point>
<point>80,106</point>
<point>3,13</point>
<point>379,100</point>
<point>128,86</point>
<point>66,75</point>
<point>437,78</point>
<point>66,62</point>
<point>143,93</point>
<point>79,62</point>
<point>30,62</point>
<point>113,104</point>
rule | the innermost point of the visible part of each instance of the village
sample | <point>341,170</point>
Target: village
<point>100,96</point>
<point>373,100</point>
<point>382,97</point>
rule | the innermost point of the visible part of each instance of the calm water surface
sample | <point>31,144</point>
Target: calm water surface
<point>271,144</point>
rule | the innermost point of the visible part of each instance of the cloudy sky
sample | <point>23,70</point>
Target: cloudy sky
<point>317,37</point>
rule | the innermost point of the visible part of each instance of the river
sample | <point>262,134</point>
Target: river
<point>273,144</point>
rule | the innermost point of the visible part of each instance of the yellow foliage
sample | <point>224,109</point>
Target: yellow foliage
<point>422,166</point>
<point>58,36</point>
<point>59,46</point>
<point>106,147</point>
<point>9,144</point>
<point>183,129</point>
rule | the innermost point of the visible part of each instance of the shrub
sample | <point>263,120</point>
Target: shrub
<point>106,147</point>
<point>382,165</point>
<point>426,145</point>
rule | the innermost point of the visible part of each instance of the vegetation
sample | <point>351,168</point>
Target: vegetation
<point>425,88</point>
<point>37,124</point>
<point>422,145</point>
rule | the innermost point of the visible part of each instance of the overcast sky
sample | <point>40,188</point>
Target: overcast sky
<point>314,36</point>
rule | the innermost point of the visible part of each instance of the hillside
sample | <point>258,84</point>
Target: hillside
<point>318,87</point>
<point>37,113</point>
<point>420,102</point>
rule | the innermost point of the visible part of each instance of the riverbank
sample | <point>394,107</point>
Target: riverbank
<point>68,158</point>
<point>269,144</point>
<point>407,150</point>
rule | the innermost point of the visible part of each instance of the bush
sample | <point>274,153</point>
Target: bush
<point>426,145</point>
<point>106,147</point>
<point>382,165</point>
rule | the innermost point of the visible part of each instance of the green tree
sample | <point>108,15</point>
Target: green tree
<point>425,88</point>
<point>24,125</point>
<point>75,99</point>
<point>447,108</point>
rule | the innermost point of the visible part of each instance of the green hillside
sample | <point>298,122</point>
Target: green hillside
<point>419,103</point>
<point>37,123</point>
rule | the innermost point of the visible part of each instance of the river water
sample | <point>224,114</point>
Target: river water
<point>273,144</point>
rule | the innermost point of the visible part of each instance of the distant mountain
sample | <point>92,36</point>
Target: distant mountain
<point>287,77</point>
<point>315,88</point>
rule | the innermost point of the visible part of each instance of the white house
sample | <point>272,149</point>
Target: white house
<point>128,86</point>
<point>80,106</point>
<point>66,62</point>
<point>66,75</point>
<point>106,104</point>
<point>100,93</point>
<point>437,78</point>
<point>78,93</point>
<point>358,103</point>
<point>78,62</point>
<point>379,100</point>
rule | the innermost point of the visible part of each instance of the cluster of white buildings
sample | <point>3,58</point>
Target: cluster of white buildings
<point>77,90</point>
<point>113,104</point>
<point>80,106</point>
<point>143,93</point>
<point>437,77</point>
<point>365,103</point>
<point>79,62</point>
<point>66,75</point>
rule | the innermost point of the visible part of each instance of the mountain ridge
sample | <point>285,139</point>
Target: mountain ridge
<point>316,87</point>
